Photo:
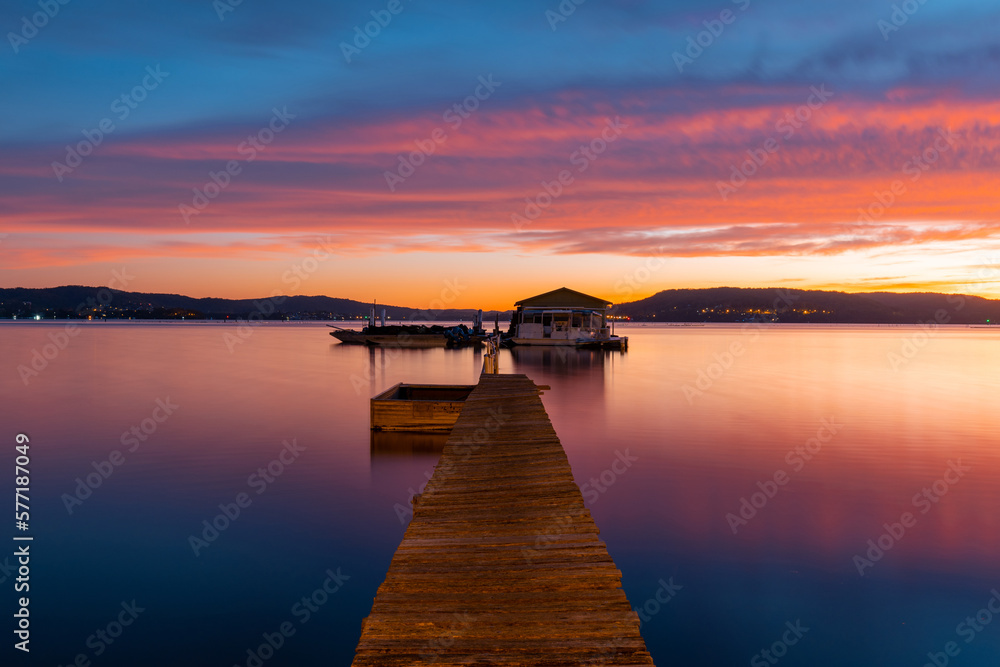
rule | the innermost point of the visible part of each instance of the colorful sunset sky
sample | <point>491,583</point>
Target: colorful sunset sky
<point>603,152</point>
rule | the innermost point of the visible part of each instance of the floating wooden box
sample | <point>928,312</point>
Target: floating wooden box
<point>418,407</point>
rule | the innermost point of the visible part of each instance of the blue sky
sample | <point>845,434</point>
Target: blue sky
<point>896,84</point>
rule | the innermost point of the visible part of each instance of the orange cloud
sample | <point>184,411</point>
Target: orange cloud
<point>849,177</point>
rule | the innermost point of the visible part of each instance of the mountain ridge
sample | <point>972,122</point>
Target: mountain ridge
<point>82,301</point>
<point>713,304</point>
<point>741,304</point>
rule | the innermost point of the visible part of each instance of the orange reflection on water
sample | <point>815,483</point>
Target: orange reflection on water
<point>898,425</point>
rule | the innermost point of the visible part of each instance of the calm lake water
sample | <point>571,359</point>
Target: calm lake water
<point>874,433</point>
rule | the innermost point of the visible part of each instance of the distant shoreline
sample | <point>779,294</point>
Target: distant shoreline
<point>676,306</point>
<point>504,325</point>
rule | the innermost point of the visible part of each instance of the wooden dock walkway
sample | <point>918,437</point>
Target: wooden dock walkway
<point>502,563</point>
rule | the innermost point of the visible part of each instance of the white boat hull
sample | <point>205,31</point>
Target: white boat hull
<point>549,342</point>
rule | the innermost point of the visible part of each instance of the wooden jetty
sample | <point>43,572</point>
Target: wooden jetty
<point>502,563</point>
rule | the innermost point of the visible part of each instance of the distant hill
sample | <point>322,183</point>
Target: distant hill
<point>80,301</point>
<point>733,304</point>
<point>717,304</point>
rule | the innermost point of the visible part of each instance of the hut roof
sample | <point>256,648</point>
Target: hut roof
<point>563,298</point>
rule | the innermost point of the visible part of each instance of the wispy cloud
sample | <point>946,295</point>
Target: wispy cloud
<point>656,191</point>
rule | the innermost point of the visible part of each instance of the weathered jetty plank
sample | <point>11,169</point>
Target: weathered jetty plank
<point>502,563</point>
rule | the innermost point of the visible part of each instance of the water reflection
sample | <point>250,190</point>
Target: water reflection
<point>397,444</point>
<point>346,502</point>
<point>561,361</point>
